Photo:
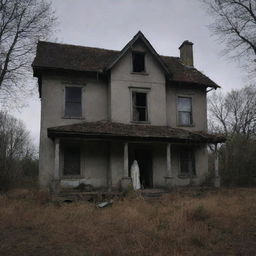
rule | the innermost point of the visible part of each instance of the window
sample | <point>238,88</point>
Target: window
<point>139,101</point>
<point>138,61</point>
<point>187,162</point>
<point>185,111</point>
<point>73,102</point>
<point>71,160</point>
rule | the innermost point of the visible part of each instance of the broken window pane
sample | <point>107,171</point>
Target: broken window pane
<point>138,61</point>
<point>71,160</point>
<point>139,106</point>
<point>185,110</point>
<point>73,102</point>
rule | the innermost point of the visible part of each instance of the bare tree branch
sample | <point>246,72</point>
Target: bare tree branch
<point>234,113</point>
<point>22,24</point>
<point>235,24</point>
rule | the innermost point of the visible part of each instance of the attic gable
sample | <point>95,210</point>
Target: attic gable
<point>139,37</point>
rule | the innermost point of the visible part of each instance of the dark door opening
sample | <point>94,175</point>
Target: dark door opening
<point>143,156</point>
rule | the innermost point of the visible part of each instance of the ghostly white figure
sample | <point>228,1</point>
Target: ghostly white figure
<point>135,174</point>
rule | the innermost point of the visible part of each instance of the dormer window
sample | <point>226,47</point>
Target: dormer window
<point>138,61</point>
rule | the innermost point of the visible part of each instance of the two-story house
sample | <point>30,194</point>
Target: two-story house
<point>102,109</point>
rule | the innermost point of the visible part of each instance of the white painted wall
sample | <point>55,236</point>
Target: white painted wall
<point>112,101</point>
<point>199,106</point>
<point>94,108</point>
<point>122,79</point>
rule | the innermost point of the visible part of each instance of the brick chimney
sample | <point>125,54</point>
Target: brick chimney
<point>186,53</point>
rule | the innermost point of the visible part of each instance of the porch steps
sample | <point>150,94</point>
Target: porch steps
<point>95,196</point>
<point>98,196</point>
<point>152,193</point>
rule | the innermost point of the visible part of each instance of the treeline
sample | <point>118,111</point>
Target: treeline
<point>234,114</point>
<point>18,157</point>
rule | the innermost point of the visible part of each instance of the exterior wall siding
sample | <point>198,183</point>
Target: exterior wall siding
<point>97,157</point>
<point>123,80</point>
<point>199,106</point>
<point>112,101</point>
<point>94,108</point>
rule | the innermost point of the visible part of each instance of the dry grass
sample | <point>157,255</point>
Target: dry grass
<point>210,223</point>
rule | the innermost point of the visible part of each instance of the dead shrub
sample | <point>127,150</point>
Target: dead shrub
<point>199,214</point>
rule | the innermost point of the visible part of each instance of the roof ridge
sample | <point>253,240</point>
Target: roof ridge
<point>76,45</point>
<point>96,48</point>
<point>93,59</point>
<point>165,56</point>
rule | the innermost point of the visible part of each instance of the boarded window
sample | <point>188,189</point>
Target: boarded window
<point>138,61</point>
<point>71,160</point>
<point>73,102</point>
<point>187,162</point>
<point>185,110</point>
<point>139,100</point>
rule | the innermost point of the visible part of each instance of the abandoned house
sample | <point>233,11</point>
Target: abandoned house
<point>102,109</point>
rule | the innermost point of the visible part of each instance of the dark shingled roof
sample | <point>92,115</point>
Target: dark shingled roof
<point>110,130</point>
<point>79,58</point>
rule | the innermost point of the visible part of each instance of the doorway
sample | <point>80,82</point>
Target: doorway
<point>143,155</point>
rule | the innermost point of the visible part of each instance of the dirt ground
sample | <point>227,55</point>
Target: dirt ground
<point>216,222</point>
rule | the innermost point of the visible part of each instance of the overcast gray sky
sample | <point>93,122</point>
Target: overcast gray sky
<point>166,24</point>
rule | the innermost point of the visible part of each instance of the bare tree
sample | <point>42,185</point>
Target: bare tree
<point>234,113</point>
<point>15,146</point>
<point>22,24</point>
<point>235,23</point>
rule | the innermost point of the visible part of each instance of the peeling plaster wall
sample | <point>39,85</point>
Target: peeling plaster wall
<point>199,106</point>
<point>94,108</point>
<point>122,79</point>
<point>112,101</point>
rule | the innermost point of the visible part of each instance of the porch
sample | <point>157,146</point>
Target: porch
<point>103,160</point>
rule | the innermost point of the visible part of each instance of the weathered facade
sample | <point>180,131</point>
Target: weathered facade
<point>102,109</point>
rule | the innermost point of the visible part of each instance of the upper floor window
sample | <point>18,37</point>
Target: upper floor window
<point>138,61</point>
<point>73,102</point>
<point>187,162</point>
<point>139,102</point>
<point>185,111</point>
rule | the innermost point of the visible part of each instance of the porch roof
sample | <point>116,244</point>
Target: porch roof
<point>119,131</point>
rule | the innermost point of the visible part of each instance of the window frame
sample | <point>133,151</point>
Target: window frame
<point>145,65</point>
<point>139,90</point>
<point>191,173</point>
<point>70,176</point>
<point>64,102</point>
<point>177,111</point>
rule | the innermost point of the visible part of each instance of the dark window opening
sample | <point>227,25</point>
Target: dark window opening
<point>138,61</point>
<point>185,111</point>
<point>139,106</point>
<point>187,163</point>
<point>73,102</point>
<point>71,160</point>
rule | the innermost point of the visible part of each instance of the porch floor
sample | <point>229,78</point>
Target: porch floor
<point>97,196</point>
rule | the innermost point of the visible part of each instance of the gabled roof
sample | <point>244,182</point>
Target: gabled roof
<point>64,57</point>
<point>111,130</point>
<point>140,36</point>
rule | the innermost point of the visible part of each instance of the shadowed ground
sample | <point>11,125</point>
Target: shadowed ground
<point>181,223</point>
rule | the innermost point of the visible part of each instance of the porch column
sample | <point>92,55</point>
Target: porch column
<point>126,181</point>
<point>126,163</point>
<point>57,159</point>
<point>169,176</point>
<point>216,168</point>
<point>168,160</point>
<point>109,170</point>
